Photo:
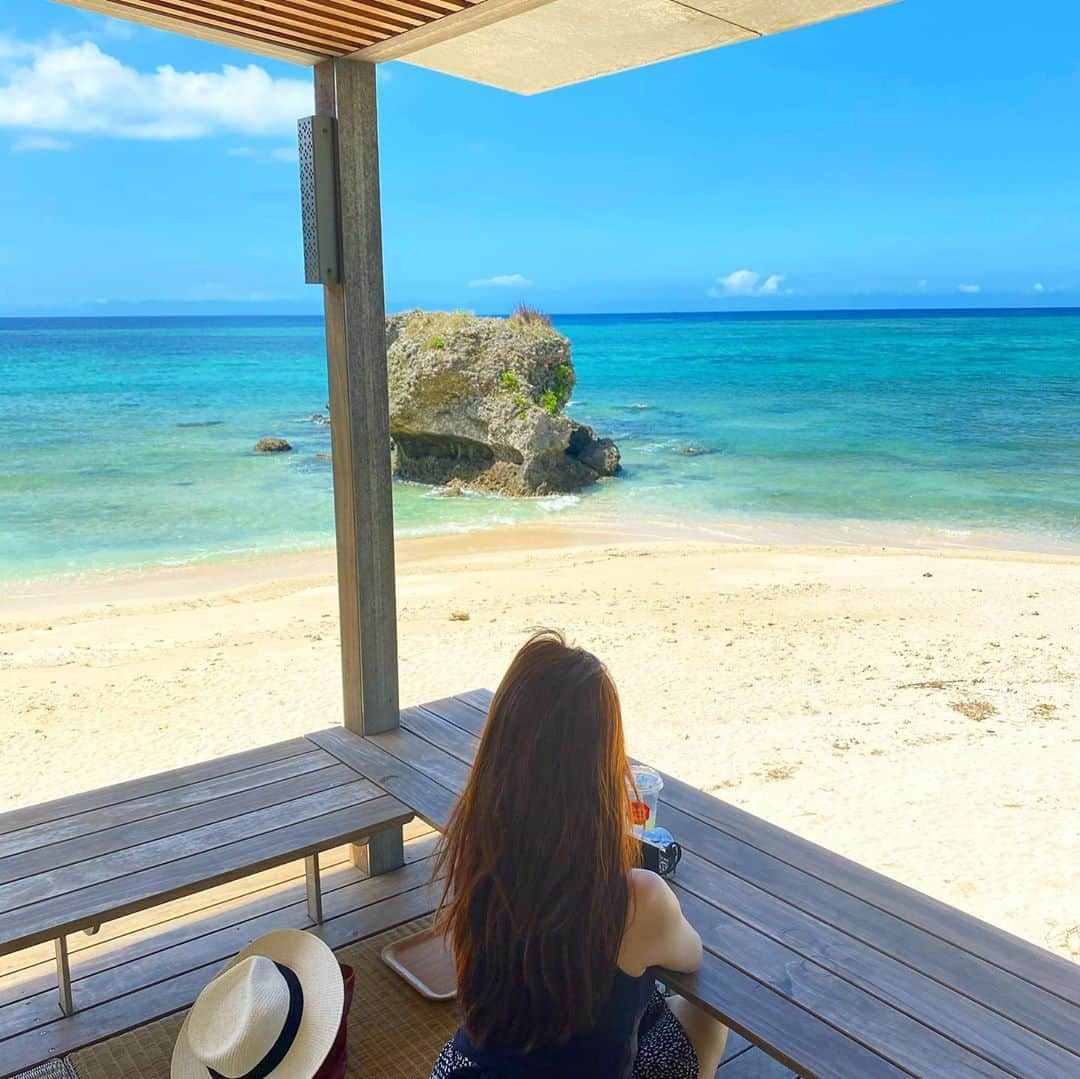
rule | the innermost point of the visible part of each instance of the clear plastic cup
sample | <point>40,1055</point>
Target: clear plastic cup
<point>644,804</point>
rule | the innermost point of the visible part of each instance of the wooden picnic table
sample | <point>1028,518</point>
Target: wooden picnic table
<point>76,862</point>
<point>832,969</point>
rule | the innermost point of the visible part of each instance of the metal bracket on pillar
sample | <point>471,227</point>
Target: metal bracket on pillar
<point>319,201</point>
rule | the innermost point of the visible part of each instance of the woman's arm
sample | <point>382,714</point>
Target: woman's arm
<point>658,934</point>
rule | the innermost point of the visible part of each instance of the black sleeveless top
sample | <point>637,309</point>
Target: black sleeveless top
<point>607,1051</point>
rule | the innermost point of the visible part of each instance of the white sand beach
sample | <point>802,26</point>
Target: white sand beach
<point>914,710</point>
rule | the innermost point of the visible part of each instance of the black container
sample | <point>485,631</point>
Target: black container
<point>659,858</point>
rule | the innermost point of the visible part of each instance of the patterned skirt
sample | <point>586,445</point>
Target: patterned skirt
<point>664,1051</point>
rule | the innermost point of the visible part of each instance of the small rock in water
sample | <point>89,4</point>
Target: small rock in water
<point>459,616</point>
<point>272,445</point>
<point>323,457</point>
<point>694,451</point>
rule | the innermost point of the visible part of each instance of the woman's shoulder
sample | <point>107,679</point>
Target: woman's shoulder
<point>651,894</point>
<point>653,910</point>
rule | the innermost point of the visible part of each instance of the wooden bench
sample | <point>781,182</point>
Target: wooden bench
<point>74,863</point>
<point>832,969</point>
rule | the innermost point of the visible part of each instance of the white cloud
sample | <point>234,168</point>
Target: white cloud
<point>747,283</point>
<point>510,280</point>
<point>73,87</point>
<point>287,155</point>
<point>1038,287</point>
<point>37,143</point>
<point>970,288</point>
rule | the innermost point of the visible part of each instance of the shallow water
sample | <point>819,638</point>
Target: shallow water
<point>127,442</point>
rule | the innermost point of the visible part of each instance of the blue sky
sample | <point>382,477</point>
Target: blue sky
<point>923,154</point>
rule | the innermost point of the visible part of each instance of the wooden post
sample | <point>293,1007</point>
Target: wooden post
<point>360,423</point>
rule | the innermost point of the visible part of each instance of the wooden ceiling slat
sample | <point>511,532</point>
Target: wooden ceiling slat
<point>359,13</point>
<point>293,15</point>
<point>338,13</point>
<point>406,19</point>
<point>245,40</point>
<point>197,12</point>
<point>433,9</point>
<point>303,31</point>
<point>236,11</point>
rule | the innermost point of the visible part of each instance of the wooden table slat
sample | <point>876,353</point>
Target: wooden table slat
<point>28,816</point>
<point>88,821</point>
<point>55,855</point>
<point>436,729</point>
<point>431,801</point>
<point>438,765</point>
<point>160,852</point>
<point>110,899</point>
<point>477,699</point>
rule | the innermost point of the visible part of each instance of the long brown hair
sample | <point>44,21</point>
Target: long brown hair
<point>537,853</point>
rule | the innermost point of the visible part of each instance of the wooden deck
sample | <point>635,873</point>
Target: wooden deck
<point>835,970</point>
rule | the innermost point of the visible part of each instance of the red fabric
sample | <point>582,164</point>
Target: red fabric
<point>333,1067</point>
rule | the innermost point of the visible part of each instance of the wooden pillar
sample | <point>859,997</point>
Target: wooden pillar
<point>360,423</point>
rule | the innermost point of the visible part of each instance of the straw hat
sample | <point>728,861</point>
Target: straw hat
<point>273,1011</point>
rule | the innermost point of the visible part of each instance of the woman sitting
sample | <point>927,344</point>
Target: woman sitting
<point>555,932</point>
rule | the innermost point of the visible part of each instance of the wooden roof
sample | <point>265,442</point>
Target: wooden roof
<point>304,31</point>
<point>526,46</point>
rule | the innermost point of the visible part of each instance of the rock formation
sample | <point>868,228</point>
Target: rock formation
<point>272,445</point>
<point>479,401</point>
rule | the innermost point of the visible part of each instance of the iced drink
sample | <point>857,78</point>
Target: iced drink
<point>644,804</point>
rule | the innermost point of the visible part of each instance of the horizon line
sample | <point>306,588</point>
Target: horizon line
<point>754,312</point>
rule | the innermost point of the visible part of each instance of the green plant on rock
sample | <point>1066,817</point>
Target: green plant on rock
<point>522,405</point>
<point>510,381</point>
<point>563,382</point>
<point>549,402</point>
<point>436,340</point>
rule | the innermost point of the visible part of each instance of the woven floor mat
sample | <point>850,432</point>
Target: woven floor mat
<point>51,1069</point>
<point>393,1032</point>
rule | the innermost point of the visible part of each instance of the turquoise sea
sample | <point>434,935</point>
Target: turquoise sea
<point>126,442</point>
